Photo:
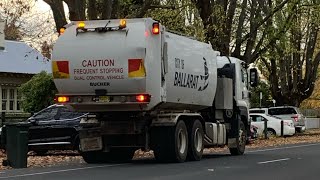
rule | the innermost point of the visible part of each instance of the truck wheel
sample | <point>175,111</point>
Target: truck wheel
<point>196,146</point>
<point>241,141</point>
<point>171,143</point>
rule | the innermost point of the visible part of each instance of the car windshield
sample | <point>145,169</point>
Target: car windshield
<point>280,111</point>
<point>272,116</point>
<point>257,111</point>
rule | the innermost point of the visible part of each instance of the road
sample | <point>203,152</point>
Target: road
<point>293,162</point>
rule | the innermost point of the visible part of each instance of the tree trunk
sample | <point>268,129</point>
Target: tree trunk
<point>107,9</point>
<point>76,10</point>
<point>58,13</point>
<point>92,10</point>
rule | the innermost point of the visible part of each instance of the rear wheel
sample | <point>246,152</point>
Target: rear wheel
<point>271,133</point>
<point>240,141</point>
<point>196,146</point>
<point>171,143</point>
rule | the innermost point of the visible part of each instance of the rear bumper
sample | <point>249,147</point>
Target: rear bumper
<point>300,128</point>
<point>103,107</point>
<point>289,131</point>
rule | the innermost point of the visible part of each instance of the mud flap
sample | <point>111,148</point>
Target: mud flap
<point>233,133</point>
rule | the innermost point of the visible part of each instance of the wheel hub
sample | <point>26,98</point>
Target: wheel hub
<point>182,141</point>
<point>198,140</point>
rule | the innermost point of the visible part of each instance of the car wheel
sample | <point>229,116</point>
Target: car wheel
<point>271,133</point>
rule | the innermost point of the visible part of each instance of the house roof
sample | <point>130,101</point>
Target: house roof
<point>18,57</point>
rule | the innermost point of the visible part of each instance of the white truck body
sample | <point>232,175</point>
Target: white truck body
<point>188,87</point>
<point>97,63</point>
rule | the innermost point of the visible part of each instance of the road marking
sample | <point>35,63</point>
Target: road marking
<point>211,170</point>
<point>277,160</point>
<point>63,170</point>
<point>281,148</point>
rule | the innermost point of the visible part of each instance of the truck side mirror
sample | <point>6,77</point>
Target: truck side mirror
<point>254,77</point>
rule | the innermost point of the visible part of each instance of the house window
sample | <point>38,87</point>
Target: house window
<point>4,99</point>
<point>18,100</point>
<point>11,100</point>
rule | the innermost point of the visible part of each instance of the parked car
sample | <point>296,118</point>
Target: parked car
<point>289,112</point>
<point>54,128</point>
<point>273,125</point>
<point>259,110</point>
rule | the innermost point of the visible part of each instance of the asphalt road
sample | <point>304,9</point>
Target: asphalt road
<point>294,162</point>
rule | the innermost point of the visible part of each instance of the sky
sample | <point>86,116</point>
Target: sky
<point>42,6</point>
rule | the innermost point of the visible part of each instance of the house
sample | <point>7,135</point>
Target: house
<point>18,63</point>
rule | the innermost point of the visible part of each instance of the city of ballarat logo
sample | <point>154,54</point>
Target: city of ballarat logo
<point>193,81</point>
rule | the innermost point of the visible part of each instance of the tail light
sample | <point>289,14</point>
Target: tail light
<point>295,118</point>
<point>155,28</point>
<point>143,98</point>
<point>62,99</point>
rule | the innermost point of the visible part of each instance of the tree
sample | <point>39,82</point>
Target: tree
<point>38,93</point>
<point>282,34</point>
<point>294,59</point>
<point>240,28</point>
<point>99,9</point>
<point>266,101</point>
<point>20,24</point>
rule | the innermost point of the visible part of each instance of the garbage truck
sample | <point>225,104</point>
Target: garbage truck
<point>146,87</point>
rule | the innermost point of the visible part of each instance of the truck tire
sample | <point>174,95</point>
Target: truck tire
<point>171,143</point>
<point>241,141</point>
<point>195,135</point>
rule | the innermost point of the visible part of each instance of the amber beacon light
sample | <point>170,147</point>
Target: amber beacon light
<point>123,24</point>
<point>81,25</point>
<point>63,99</point>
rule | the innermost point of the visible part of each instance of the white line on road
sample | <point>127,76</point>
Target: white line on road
<point>281,148</point>
<point>277,160</point>
<point>63,170</point>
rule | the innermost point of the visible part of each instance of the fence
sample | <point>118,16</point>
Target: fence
<point>311,112</point>
<point>13,117</point>
<point>312,123</point>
